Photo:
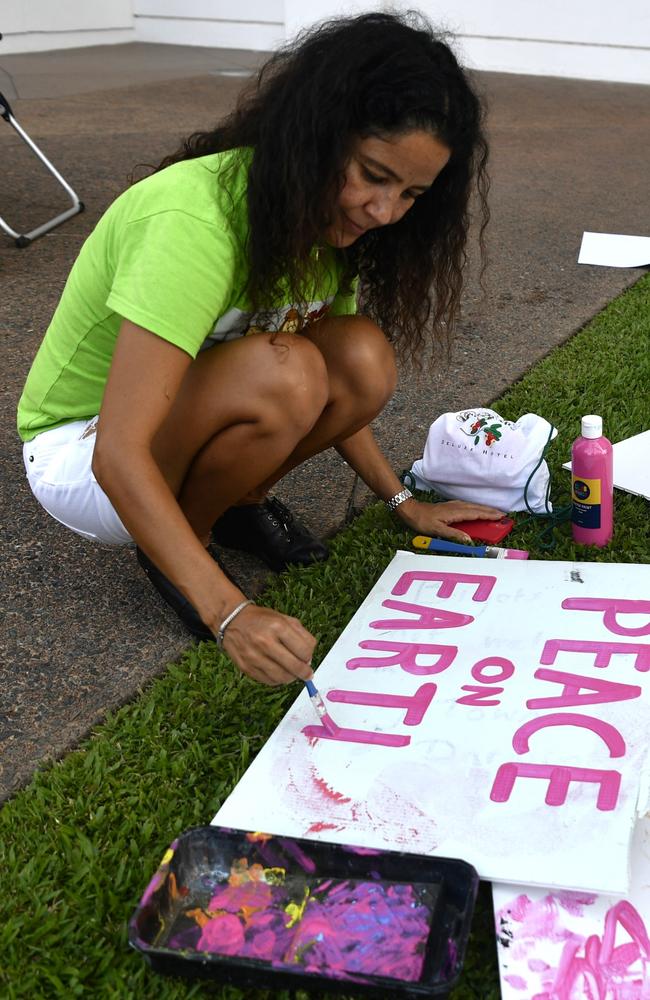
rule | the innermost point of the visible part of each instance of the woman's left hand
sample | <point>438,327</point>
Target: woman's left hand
<point>436,519</point>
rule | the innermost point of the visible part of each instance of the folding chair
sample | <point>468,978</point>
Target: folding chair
<point>24,239</point>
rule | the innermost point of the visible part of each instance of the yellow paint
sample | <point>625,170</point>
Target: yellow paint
<point>295,911</point>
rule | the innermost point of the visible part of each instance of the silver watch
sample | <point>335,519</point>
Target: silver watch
<point>399,498</point>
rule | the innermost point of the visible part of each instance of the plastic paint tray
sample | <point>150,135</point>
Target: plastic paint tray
<point>262,910</point>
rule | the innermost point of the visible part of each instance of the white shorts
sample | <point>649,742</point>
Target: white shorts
<point>59,469</point>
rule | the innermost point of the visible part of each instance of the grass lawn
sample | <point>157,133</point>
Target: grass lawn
<point>79,844</point>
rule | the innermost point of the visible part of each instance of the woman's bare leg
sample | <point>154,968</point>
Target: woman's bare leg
<point>250,410</point>
<point>242,408</point>
<point>361,378</point>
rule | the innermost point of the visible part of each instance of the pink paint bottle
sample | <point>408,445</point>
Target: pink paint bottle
<point>592,485</point>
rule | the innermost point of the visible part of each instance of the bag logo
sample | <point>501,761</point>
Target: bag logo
<point>490,431</point>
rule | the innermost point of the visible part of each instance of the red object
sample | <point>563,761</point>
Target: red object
<point>486,531</point>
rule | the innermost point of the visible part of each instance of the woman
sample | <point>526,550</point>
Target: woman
<point>206,343</point>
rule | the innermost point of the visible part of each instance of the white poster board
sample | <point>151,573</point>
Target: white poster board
<point>631,465</point>
<point>614,250</point>
<point>487,710</point>
<point>569,945</point>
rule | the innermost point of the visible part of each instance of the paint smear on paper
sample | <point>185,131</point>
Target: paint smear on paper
<point>544,957</point>
<point>331,926</point>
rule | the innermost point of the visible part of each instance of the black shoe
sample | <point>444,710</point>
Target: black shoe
<point>268,530</point>
<point>180,604</point>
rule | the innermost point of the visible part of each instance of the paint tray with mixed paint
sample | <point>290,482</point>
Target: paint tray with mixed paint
<point>257,909</point>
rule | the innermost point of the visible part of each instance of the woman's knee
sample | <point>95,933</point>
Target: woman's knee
<point>359,357</point>
<point>293,380</point>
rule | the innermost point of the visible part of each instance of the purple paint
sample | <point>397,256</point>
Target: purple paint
<point>337,927</point>
<point>303,911</point>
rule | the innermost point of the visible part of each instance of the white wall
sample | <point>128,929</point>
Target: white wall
<point>301,13</point>
<point>245,24</point>
<point>591,39</point>
<point>36,25</point>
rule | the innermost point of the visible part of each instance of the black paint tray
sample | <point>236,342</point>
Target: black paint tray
<point>278,912</point>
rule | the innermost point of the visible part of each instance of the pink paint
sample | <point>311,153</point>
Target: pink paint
<point>575,902</point>
<point>609,735</point>
<point>406,654</point>
<point>603,650</point>
<point>539,920</point>
<point>224,935</point>
<point>516,982</point>
<point>525,928</point>
<point>604,968</point>
<point>320,826</point>
<point>592,489</point>
<point>448,583</point>
<point>538,965</point>
<point>329,723</point>
<point>505,670</point>
<point>329,792</point>
<point>480,696</point>
<point>415,704</point>
<point>338,927</point>
<point>559,779</point>
<point>429,618</point>
<point>612,608</point>
<point>602,692</point>
<point>343,735</point>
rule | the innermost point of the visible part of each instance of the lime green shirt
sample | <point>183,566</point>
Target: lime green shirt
<point>168,255</point>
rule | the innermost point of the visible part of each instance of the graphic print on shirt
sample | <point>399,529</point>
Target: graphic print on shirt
<point>287,319</point>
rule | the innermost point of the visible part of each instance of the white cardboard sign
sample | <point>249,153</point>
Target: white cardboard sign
<point>614,250</point>
<point>495,711</point>
<point>569,946</point>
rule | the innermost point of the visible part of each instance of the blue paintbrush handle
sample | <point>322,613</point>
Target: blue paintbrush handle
<point>440,545</point>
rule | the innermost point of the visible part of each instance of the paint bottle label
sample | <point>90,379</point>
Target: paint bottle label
<point>586,499</point>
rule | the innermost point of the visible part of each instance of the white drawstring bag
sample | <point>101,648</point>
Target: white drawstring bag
<point>477,455</point>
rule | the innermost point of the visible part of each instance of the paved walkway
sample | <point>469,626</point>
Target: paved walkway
<point>82,630</point>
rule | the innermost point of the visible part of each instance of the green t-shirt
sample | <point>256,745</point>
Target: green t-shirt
<point>168,255</point>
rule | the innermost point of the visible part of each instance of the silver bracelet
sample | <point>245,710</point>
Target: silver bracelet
<point>226,622</point>
<point>399,498</point>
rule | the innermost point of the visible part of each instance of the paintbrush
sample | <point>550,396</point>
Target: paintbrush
<point>321,710</point>
<point>423,542</point>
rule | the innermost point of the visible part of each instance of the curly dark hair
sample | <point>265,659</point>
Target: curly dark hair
<point>371,75</point>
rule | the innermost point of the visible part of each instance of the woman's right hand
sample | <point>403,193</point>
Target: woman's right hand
<point>270,647</point>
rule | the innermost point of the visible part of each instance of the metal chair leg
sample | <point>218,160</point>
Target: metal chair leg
<point>24,239</point>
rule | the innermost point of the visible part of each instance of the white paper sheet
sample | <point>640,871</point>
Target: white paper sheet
<point>614,250</point>
<point>570,946</point>
<point>631,465</point>
<point>456,684</point>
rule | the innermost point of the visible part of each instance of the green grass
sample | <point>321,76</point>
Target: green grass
<point>79,844</point>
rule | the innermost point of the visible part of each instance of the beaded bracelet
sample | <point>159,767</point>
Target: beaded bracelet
<point>226,622</point>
